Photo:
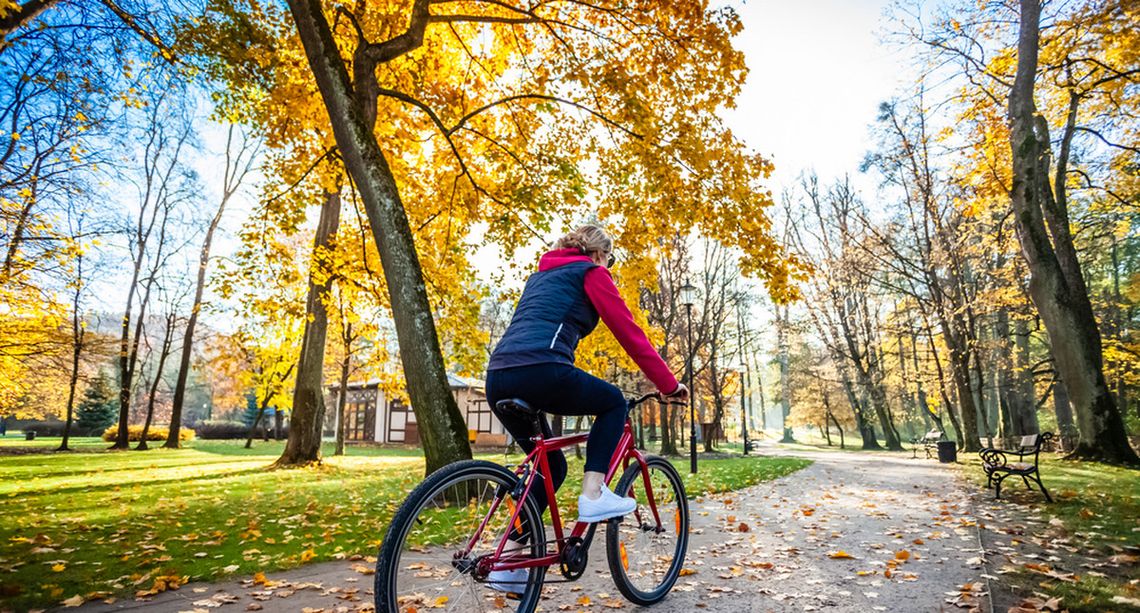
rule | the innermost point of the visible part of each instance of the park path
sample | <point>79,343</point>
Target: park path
<point>852,532</point>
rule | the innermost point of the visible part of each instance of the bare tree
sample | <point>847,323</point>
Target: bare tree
<point>845,313</point>
<point>163,183</point>
<point>240,158</point>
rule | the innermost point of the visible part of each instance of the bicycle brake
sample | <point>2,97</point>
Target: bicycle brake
<point>520,485</point>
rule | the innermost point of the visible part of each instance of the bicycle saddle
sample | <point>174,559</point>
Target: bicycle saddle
<point>518,407</point>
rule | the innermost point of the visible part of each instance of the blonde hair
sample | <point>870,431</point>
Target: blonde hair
<point>587,239</point>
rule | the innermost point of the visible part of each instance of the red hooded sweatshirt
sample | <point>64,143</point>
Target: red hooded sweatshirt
<point>603,294</point>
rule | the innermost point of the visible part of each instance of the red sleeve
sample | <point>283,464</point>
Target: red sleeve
<point>611,307</point>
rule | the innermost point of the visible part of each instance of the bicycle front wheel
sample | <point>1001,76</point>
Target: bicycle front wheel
<point>646,555</point>
<point>435,552</point>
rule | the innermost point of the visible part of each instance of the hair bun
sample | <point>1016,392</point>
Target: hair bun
<point>586,239</point>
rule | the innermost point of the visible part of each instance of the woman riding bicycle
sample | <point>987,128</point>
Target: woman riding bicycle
<point>534,362</point>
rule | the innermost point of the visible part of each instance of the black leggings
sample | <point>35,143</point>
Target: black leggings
<point>561,389</point>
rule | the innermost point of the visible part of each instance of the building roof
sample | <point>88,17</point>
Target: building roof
<point>457,382</point>
<point>454,381</point>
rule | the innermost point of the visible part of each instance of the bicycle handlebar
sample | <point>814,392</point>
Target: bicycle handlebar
<point>652,395</point>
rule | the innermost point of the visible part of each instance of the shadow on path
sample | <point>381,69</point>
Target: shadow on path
<point>852,532</point>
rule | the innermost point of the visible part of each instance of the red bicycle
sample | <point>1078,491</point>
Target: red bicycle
<point>474,517</point>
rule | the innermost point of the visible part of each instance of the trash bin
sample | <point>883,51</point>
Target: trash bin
<point>947,452</point>
<point>30,435</point>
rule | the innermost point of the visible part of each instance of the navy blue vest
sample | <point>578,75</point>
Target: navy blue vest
<point>553,314</point>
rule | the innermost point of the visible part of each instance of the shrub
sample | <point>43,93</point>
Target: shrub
<point>50,428</point>
<point>156,433</point>
<point>219,429</point>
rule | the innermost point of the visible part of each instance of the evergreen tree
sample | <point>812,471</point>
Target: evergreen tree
<point>99,407</point>
<point>250,413</point>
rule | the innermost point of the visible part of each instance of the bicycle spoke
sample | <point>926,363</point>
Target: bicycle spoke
<point>436,563</point>
<point>646,549</point>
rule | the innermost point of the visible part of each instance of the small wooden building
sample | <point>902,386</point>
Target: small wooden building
<point>370,416</point>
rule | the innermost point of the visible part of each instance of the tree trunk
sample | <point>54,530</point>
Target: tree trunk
<point>842,444</point>
<point>352,114</point>
<point>923,405</point>
<point>866,430</point>
<point>668,443</point>
<point>1056,284</point>
<point>341,401</point>
<point>960,375</point>
<point>164,352</point>
<point>1064,410</point>
<point>121,435</point>
<point>785,402</point>
<point>306,420</point>
<point>172,441</point>
<point>1025,413</point>
<point>78,332</point>
<point>1004,377</point>
<point>256,422</point>
<point>827,416</point>
<point>944,390</point>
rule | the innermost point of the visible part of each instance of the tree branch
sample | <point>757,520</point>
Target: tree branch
<point>411,39</point>
<point>23,15</point>
<point>132,22</point>
<point>1104,140</point>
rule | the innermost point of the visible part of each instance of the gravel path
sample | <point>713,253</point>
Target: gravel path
<point>852,532</point>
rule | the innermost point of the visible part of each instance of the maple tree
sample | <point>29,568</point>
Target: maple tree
<point>480,135</point>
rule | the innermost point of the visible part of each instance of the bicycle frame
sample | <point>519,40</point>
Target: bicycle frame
<point>625,453</point>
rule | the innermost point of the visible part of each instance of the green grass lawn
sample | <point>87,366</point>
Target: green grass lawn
<point>98,523</point>
<point>1099,508</point>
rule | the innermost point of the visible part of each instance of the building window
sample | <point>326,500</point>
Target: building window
<point>479,415</point>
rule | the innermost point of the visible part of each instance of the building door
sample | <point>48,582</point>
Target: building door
<point>402,424</point>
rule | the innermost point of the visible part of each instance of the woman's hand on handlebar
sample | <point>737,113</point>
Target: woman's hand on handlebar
<point>680,395</point>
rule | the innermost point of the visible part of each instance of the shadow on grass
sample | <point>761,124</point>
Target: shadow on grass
<point>110,487</point>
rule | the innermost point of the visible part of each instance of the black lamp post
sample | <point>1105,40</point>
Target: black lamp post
<point>687,298</point>
<point>743,407</point>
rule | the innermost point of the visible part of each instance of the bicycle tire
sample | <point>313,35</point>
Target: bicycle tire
<point>617,566</point>
<point>387,561</point>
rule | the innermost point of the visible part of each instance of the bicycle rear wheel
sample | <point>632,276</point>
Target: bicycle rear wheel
<point>428,560</point>
<point>646,559</point>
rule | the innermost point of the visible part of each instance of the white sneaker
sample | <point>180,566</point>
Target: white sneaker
<point>607,506</point>
<point>510,581</point>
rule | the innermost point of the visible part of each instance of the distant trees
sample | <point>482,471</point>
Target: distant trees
<point>974,296</point>
<point>164,185</point>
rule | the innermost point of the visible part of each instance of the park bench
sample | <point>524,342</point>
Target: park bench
<point>998,466</point>
<point>929,442</point>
